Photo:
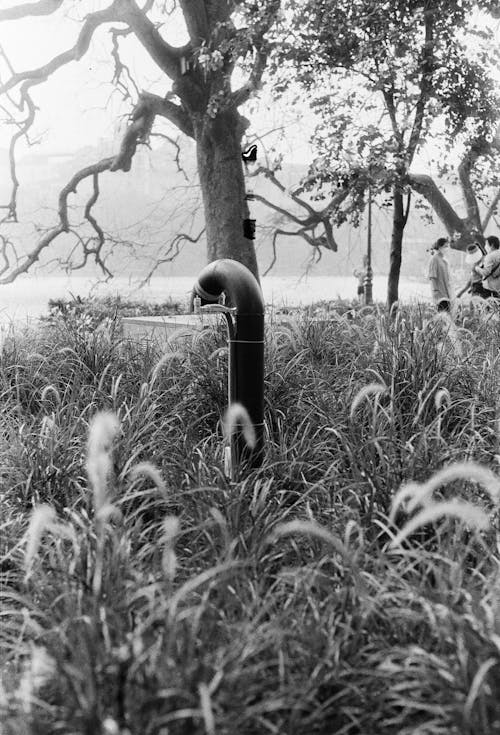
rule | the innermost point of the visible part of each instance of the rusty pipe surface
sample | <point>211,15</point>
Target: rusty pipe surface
<point>246,345</point>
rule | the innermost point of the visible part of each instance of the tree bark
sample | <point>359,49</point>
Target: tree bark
<point>220,169</point>
<point>398,226</point>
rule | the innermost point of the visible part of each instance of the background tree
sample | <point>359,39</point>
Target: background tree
<point>396,65</point>
<point>224,36</point>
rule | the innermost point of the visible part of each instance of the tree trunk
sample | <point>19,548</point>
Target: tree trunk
<point>398,226</point>
<point>220,169</point>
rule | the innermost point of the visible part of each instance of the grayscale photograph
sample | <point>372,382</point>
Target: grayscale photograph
<point>250,367</point>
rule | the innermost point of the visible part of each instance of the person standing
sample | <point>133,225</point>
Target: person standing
<point>360,274</point>
<point>489,269</point>
<point>439,276</point>
<point>474,258</point>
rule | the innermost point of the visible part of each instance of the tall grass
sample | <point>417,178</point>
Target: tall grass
<point>350,585</point>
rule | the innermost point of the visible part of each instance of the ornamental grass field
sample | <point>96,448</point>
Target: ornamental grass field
<point>351,585</point>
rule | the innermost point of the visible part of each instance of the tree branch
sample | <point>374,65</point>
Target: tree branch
<point>96,250</point>
<point>464,171</point>
<point>407,208</point>
<point>261,47</point>
<point>163,54</point>
<point>491,211</point>
<point>391,109</point>
<point>177,147</point>
<point>120,68</point>
<point>281,210</point>
<point>427,187</point>
<point>142,118</point>
<point>425,84</point>
<point>42,7</point>
<point>288,233</point>
<point>269,174</point>
<point>243,94</point>
<point>63,225</point>
<point>195,16</point>
<point>92,22</point>
<point>172,252</point>
<point>172,112</point>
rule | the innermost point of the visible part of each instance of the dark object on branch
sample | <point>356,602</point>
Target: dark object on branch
<point>249,228</point>
<point>250,155</point>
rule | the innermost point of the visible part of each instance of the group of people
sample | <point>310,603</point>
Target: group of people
<point>484,280</point>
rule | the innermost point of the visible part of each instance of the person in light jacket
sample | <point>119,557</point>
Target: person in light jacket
<point>489,269</point>
<point>439,276</point>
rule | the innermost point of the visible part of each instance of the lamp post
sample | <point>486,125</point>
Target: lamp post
<point>368,281</point>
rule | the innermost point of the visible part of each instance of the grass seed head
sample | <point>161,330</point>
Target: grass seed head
<point>237,415</point>
<point>441,398</point>
<point>50,389</point>
<point>103,430</point>
<point>41,519</point>
<point>149,470</point>
<point>166,359</point>
<point>470,514</point>
<point>372,389</point>
<point>40,669</point>
<point>171,528</point>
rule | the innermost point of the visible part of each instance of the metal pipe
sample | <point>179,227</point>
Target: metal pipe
<point>246,345</point>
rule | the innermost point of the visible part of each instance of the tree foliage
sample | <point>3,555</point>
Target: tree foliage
<point>379,75</point>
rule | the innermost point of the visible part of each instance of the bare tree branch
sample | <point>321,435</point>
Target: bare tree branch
<point>288,233</point>
<point>5,243</point>
<point>172,252</point>
<point>63,226</point>
<point>91,23</point>
<point>42,7</point>
<point>177,147</point>
<point>142,118</point>
<point>281,210</point>
<point>23,128</point>
<point>91,219</point>
<point>270,174</point>
<point>308,224</point>
<point>120,68</point>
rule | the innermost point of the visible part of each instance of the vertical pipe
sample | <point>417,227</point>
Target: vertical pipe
<point>246,345</point>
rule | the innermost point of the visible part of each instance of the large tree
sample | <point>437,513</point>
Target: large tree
<point>200,101</point>
<point>477,177</point>
<point>397,64</point>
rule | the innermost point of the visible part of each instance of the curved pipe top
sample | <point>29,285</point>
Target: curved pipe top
<point>233,278</point>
